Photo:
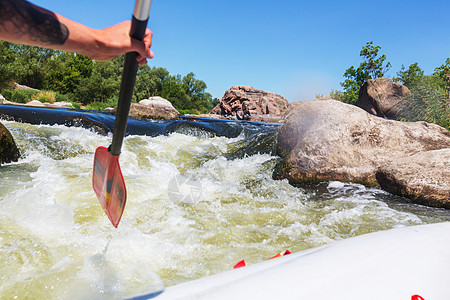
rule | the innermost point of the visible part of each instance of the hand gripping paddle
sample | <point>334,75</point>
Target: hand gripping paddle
<point>107,179</point>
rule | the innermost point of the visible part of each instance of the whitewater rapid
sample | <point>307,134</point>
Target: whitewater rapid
<point>197,204</point>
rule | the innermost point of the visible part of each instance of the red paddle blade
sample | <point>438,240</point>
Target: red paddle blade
<point>109,185</point>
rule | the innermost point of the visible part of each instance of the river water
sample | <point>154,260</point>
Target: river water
<point>198,202</point>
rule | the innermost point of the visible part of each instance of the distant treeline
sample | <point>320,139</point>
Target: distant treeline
<point>96,84</point>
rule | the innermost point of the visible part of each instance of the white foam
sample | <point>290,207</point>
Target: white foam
<point>241,213</point>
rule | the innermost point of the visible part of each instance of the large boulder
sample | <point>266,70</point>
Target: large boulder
<point>153,108</point>
<point>424,177</point>
<point>247,103</point>
<point>331,140</point>
<point>8,148</point>
<point>293,105</point>
<point>158,102</point>
<point>382,97</point>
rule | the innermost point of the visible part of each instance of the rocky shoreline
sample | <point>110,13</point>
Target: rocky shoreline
<point>329,140</point>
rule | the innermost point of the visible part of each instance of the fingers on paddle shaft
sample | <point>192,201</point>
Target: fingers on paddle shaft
<point>109,185</point>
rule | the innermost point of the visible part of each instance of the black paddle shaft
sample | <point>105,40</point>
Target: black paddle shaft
<point>130,68</point>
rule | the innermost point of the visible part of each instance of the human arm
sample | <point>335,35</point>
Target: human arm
<point>24,23</point>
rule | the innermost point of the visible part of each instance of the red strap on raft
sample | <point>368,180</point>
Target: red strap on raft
<point>241,263</point>
<point>281,254</point>
<point>416,297</point>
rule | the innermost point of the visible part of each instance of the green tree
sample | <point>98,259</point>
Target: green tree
<point>96,82</point>
<point>373,66</point>
<point>102,84</point>
<point>7,57</point>
<point>430,95</point>
<point>336,95</point>
<point>196,91</point>
<point>214,102</point>
<point>30,65</point>
<point>428,102</point>
<point>442,74</point>
<point>149,82</point>
<point>173,91</point>
<point>65,72</point>
<point>187,94</point>
<point>411,77</point>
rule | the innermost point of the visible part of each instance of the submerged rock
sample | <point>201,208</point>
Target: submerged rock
<point>331,140</point>
<point>247,103</point>
<point>8,149</point>
<point>381,97</point>
<point>424,177</point>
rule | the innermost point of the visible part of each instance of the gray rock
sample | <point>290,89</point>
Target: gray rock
<point>35,103</point>
<point>382,97</point>
<point>331,140</point>
<point>8,149</point>
<point>157,102</point>
<point>60,104</point>
<point>247,103</point>
<point>153,108</point>
<point>17,86</point>
<point>423,177</point>
<point>6,102</point>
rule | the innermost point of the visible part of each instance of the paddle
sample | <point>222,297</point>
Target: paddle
<point>107,179</point>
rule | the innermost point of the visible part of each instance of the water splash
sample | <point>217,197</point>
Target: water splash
<point>56,242</point>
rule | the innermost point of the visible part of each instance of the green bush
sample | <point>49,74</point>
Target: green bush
<point>189,112</point>
<point>76,105</point>
<point>61,97</point>
<point>194,111</point>
<point>101,105</point>
<point>45,96</point>
<point>428,102</point>
<point>19,96</point>
<point>25,96</point>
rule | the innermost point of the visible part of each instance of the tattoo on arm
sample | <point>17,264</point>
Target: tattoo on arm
<point>28,20</point>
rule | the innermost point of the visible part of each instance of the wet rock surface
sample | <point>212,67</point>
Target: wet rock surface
<point>423,177</point>
<point>331,140</point>
<point>8,149</point>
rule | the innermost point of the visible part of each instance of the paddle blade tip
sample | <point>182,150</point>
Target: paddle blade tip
<point>109,185</point>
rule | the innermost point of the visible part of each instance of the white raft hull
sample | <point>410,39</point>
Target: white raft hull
<point>394,264</point>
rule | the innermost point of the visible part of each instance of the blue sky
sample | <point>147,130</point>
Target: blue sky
<point>294,48</point>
